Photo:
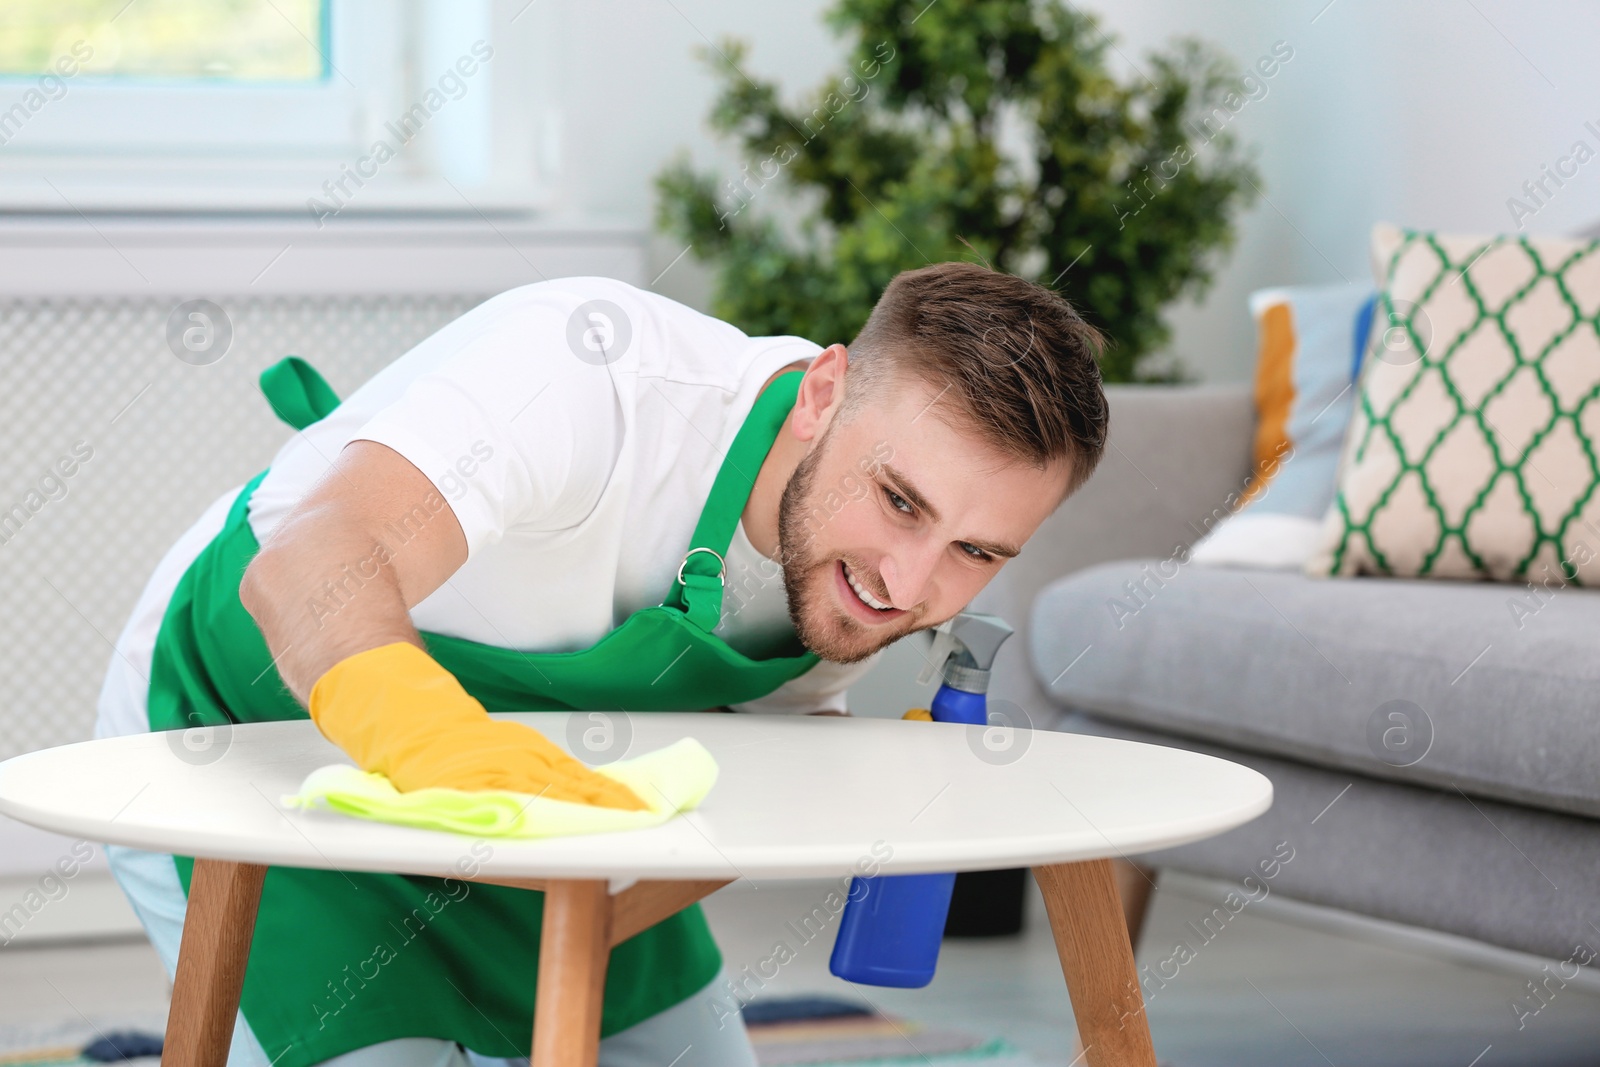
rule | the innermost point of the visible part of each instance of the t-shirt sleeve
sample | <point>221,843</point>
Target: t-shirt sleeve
<point>822,688</point>
<point>513,433</point>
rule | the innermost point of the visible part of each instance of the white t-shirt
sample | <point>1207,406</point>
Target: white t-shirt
<point>576,445</point>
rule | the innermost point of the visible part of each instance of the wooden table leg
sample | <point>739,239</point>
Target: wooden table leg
<point>574,947</point>
<point>1136,886</point>
<point>582,923</point>
<point>218,925</point>
<point>1097,958</point>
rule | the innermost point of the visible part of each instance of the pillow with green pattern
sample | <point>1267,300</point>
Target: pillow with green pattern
<point>1471,452</point>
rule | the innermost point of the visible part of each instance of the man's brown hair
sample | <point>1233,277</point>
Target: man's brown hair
<point>1013,357</point>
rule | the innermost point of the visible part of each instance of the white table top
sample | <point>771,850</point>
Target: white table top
<point>797,797</point>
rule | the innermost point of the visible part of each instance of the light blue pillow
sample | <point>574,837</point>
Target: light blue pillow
<point>1312,338</point>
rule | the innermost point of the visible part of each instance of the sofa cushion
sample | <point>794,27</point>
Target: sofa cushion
<point>1311,339</point>
<point>1471,452</point>
<point>1487,688</point>
<point>1504,874</point>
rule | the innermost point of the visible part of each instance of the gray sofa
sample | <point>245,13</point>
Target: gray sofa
<point>1435,750</point>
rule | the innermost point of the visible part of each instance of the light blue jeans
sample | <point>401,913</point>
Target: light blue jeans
<point>692,1032</point>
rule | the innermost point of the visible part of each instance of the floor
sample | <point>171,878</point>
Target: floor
<point>1263,992</point>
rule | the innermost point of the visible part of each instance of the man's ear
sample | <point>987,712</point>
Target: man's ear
<point>821,392</point>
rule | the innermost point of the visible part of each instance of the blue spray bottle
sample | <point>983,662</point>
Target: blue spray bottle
<point>892,925</point>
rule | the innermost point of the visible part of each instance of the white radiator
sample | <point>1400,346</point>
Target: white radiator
<point>90,384</point>
<point>150,441</point>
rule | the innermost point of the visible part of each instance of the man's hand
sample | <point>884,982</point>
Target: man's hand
<point>398,712</point>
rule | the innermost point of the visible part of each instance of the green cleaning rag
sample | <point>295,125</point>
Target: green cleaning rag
<point>671,780</point>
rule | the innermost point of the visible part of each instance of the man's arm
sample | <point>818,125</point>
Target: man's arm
<point>356,661</point>
<point>300,588</point>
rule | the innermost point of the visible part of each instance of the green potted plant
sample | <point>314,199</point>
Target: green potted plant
<point>991,130</point>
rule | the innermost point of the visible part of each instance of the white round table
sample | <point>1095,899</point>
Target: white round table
<point>796,797</point>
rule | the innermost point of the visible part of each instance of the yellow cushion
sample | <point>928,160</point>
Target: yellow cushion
<point>1274,396</point>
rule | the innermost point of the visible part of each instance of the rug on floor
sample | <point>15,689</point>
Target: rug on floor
<point>79,1041</point>
<point>826,1032</point>
<point>786,1032</point>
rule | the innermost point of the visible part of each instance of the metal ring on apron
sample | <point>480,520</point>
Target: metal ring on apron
<point>722,565</point>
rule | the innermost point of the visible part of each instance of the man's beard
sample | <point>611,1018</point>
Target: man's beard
<point>831,634</point>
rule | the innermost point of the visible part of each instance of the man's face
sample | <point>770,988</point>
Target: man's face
<point>916,513</point>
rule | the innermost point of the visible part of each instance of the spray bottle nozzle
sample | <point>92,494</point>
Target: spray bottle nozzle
<point>964,648</point>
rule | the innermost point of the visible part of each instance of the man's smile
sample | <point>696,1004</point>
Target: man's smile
<point>859,601</point>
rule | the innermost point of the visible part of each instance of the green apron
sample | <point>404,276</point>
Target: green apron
<point>344,960</point>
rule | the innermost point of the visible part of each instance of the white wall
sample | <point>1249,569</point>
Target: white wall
<point>632,93</point>
<point>1422,112</point>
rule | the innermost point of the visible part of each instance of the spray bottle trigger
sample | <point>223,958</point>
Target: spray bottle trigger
<point>944,643</point>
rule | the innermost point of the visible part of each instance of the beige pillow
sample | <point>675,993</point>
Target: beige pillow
<point>1471,452</point>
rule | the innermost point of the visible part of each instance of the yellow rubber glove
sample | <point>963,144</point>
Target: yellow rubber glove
<point>396,711</point>
<point>919,715</point>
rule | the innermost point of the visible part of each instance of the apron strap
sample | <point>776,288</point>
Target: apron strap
<point>698,589</point>
<point>298,394</point>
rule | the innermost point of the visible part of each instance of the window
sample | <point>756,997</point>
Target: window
<point>257,104</point>
<point>233,40</point>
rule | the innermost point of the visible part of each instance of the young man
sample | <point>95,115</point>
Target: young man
<point>502,519</point>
